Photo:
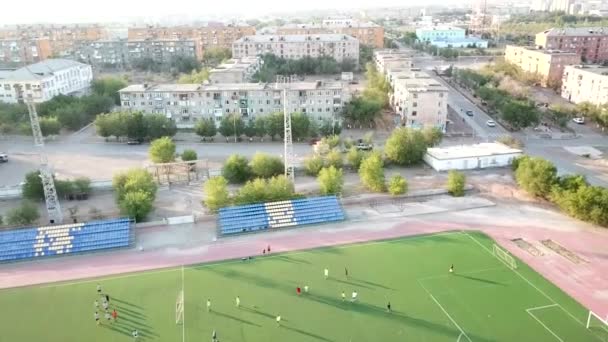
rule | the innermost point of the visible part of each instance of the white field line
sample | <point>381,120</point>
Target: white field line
<point>446,313</point>
<point>525,279</point>
<point>183,308</point>
<point>203,265</point>
<point>443,275</point>
<point>542,307</point>
<point>543,324</point>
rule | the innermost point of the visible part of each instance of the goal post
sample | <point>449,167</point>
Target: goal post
<point>179,308</point>
<point>503,255</point>
<point>595,321</point>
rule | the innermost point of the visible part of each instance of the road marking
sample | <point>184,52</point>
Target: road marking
<point>529,311</point>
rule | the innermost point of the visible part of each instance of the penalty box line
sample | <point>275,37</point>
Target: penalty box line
<point>529,311</point>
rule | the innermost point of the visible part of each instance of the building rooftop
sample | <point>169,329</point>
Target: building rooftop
<point>464,151</point>
<point>295,38</point>
<point>329,24</point>
<point>596,69</point>
<point>543,51</point>
<point>440,28</point>
<point>40,70</point>
<point>230,86</point>
<point>577,31</point>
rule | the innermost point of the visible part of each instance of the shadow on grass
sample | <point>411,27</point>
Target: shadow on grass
<point>479,279</point>
<point>125,303</point>
<point>309,334</point>
<point>258,312</point>
<point>125,310</point>
<point>351,284</point>
<point>225,315</point>
<point>370,283</point>
<point>292,260</point>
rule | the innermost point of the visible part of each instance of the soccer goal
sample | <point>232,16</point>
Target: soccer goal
<point>504,256</point>
<point>594,321</point>
<point>179,308</point>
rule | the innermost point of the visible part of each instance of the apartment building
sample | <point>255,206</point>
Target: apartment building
<point>591,43</point>
<point>548,64</point>
<point>367,33</point>
<point>187,103</point>
<point>44,80</point>
<point>338,46</point>
<point>420,101</point>
<point>61,37</point>
<point>448,36</point>
<point>21,52</point>
<point>235,70</point>
<point>211,35</point>
<point>389,58</point>
<point>585,84</point>
<point>164,50</point>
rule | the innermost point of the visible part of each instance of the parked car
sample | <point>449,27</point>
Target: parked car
<point>134,142</point>
<point>579,120</point>
<point>361,145</point>
<point>491,123</point>
<point>469,112</point>
<point>313,141</point>
<point>3,158</point>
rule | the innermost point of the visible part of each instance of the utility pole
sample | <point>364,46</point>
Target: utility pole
<point>53,207</point>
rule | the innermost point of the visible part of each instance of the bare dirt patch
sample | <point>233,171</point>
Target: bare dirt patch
<point>526,246</point>
<point>557,248</point>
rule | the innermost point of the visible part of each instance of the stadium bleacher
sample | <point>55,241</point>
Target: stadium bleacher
<point>27,243</point>
<point>272,215</point>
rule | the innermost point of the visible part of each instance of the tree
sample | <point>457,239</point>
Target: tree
<point>300,125</point>
<point>583,201</point>
<point>275,125</point>
<point>197,77</point>
<point>360,111</point>
<point>313,164</point>
<point>261,124</point>
<point>519,114</point>
<point>328,128</point>
<point>103,125</point>
<point>214,56</point>
<point>236,169</point>
<point>49,126</point>
<point>250,130</point>
<point>334,158</point>
<point>371,172</point>
<point>354,157</point>
<point>188,155</point>
<point>24,214</point>
<point>229,124</point>
<point>137,204</point>
<point>132,181</point>
<point>162,150</point>
<point>184,64</point>
<point>254,191</point>
<point>32,187</point>
<point>330,180</point>
<point>456,182</point>
<point>135,126</point>
<point>265,166</point>
<point>397,185</point>
<point>205,128</point>
<point>82,185</point>
<point>158,125</point>
<point>95,104</point>
<point>536,176</point>
<point>71,116</point>
<point>432,136</point>
<point>216,193</point>
<point>279,188</point>
<point>405,146</point>
<point>108,86</point>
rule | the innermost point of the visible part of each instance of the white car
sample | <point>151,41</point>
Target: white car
<point>3,158</point>
<point>491,123</point>
<point>580,121</point>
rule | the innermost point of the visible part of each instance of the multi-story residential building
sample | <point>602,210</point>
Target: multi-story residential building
<point>235,70</point>
<point>187,103</point>
<point>61,37</point>
<point>585,84</point>
<point>386,59</point>
<point>122,53</point>
<point>591,43</point>
<point>547,64</point>
<point>367,33</point>
<point>338,46</point>
<point>44,80</point>
<point>448,36</point>
<point>541,5</point>
<point>420,102</point>
<point>21,52</point>
<point>210,35</point>
<point>560,5</point>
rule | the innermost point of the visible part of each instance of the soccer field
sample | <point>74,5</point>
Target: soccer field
<point>483,300</point>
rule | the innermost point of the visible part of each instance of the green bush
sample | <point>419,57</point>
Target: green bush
<point>266,166</point>
<point>354,157</point>
<point>331,180</point>
<point>261,190</point>
<point>188,155</point>
<point>536,176</point>
<point>24,214</point>
<point>371,172</point>
<point>313,164</point>
<point>162,150</point>
<point>137,204</point>
<point>216,193</point>
<point>334,158</point>
<point>456,183</point>
<point>405,146</point>
<point>236,169</point>
<point>397,185</point>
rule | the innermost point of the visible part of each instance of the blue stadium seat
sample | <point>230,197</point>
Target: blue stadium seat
<point>64,239</point>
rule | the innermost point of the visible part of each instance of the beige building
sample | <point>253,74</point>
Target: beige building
<point>547,64</point>
<point>235,70</point>
<point>387,59</point>
<point>585,84</point>
<point>367,33</point>
<point>338,46</point>
<point>420,101</point>
<point>187,103</point>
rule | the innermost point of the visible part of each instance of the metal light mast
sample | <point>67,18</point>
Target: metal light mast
<point>48,184</point>
<point>288,146</point>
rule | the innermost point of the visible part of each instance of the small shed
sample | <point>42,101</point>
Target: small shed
<point>469,157</point>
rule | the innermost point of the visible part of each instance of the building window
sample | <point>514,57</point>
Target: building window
<point>415,104</point>
<point>414,113</point>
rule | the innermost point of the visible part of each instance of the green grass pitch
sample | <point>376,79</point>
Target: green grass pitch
<point>482,301</point>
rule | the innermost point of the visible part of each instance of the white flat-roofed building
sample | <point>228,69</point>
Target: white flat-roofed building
<point>386,59</point>
<point>586,83</point>
<point>235,70</point>
<point>44,80</point>
<point>187,103</point>
<point>469,157</point>
<point>338,46</point>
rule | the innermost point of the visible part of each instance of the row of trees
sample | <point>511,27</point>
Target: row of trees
<point>237,169</point>
<point>271,125</point>
<point>323,65</point>
<point>32,188</point>
<point>134,125</point>
<point>571,193</point>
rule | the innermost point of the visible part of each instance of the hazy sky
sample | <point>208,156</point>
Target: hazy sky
<point>58,11</point>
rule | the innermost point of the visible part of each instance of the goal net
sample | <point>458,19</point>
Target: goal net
<point>597,323</point>
<point>504,256</point>
<point>179,308</point>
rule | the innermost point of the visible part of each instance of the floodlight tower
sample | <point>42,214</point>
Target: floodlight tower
<point>46,174</point>
<point>288,142</point>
